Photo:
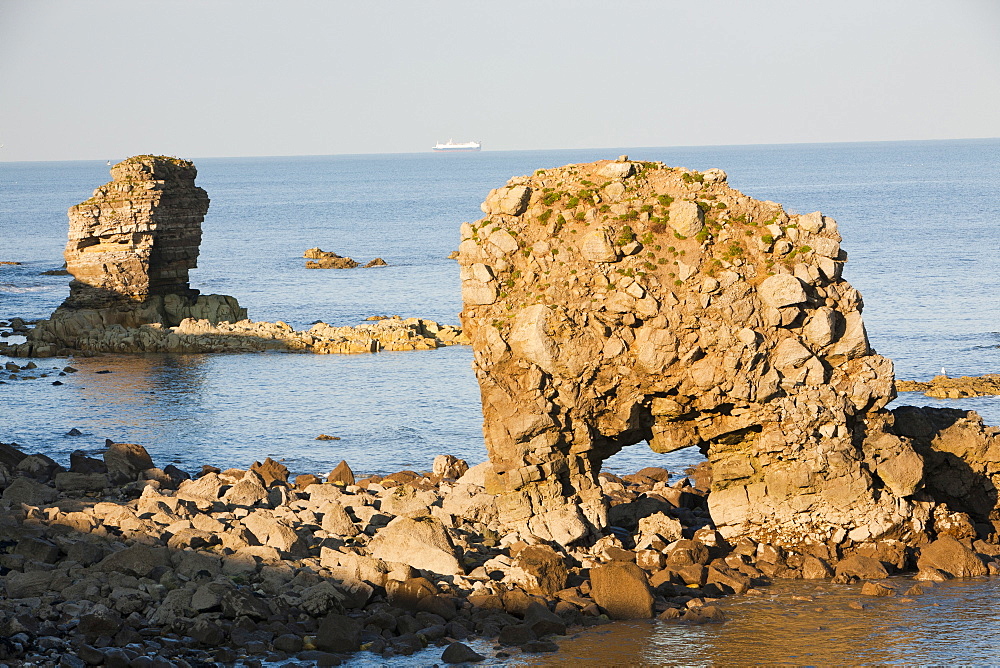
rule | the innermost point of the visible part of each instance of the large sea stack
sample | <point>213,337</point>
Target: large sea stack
<point>131,246</point>
<point>621,301</point>
<point>138,236</point>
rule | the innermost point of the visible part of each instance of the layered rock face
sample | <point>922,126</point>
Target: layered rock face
<point>138,235</point>
<point>131,246</point>
<point>618,302</point>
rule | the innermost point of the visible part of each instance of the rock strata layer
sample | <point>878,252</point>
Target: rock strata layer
<point>618,302</point>
<point>131,246</point>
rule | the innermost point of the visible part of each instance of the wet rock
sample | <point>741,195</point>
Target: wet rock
<point>542,621</point>
<point>952,557</point>
<point>622,589</point>
<point>458,652</point>
<point>516,634</point>
<point>539,646</point>
<point>943,387</point>
<point>862,567</point>
<point>339,633</point>
<point>876,589</point>
<point>814,568</point>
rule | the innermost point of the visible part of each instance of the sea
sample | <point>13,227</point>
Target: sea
<point>919,223</point>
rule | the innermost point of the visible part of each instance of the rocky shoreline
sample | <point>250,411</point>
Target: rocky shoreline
<point>117,562</point>
<point>89,333</point>
<point>943,387</point>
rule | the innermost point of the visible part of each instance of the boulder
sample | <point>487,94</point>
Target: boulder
<point>246,492</point>
<point>339,633</point>
<point>273,531</point>
<point>539,570</point>
<point>421,542</point>
<point>270,471</point>
<point>29,492</point>
<point>139,560</point>
<point>40,467</point>
<point>952,557</point>
<point>126,461</point>
<point>621,588</point>
<point>458,652</point>
<point>336,520</point>
<point>341,474</point>
<point>862,567</point>
<point>449,466</point>
<point>686,218</point>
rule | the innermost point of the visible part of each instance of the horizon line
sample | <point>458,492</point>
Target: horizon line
<point>522,150</point>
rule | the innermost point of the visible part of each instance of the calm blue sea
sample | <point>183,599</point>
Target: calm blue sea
<point>918,221</point>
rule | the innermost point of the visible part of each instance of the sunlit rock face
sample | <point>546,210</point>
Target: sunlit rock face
<point>621,301</point>
<point>131,246</point>
<point>138,235</point>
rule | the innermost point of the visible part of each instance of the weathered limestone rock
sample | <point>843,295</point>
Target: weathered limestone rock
<point>421,542</point>
<point>130,248</point>
<point>621,588</point>
<point>943,387</point>
<point>138,235</point>
<point>668,307</point>
<point>949,556</point>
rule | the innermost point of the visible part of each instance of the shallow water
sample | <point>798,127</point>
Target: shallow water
<point>952,622</point>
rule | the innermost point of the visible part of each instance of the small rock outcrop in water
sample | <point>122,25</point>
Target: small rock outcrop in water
<point>131,246</point>
<point>618,302</point>
<point>943,387</point>
<point>321,259</point>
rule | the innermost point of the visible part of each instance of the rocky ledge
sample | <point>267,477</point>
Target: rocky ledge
<point>116,559</point>
<point>209,335</point>
<point>943,387</point>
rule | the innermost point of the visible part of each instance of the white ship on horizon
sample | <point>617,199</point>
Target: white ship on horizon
<point>452,146</point>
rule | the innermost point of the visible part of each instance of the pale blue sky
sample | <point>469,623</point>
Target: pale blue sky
<point>106,79</point>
